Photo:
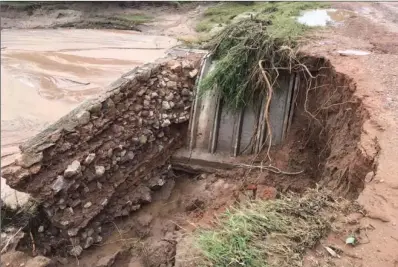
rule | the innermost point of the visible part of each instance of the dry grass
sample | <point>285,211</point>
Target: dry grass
<point>272,233</point>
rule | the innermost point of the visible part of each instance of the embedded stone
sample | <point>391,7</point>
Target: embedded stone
<point>76,251</point>
<point>73,232</point>
<point>130,155</point>
<point>171,84</point>
<point>87,205</point>
<point>83,117</point>
<point>147,103</point>
<point>59,184</point>
<point>169,97</point>
<point>143,139</point>
<point>165,123</point>
<point>193,73</point>
<point>185,92</point>
<point>99,171</point>
<point>89,242</point>
<point>166,105</point>
<point>104,202</point>
<point>89,158</point>
<point>72,169</point>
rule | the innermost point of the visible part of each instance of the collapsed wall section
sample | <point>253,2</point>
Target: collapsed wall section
<point>104,159</point>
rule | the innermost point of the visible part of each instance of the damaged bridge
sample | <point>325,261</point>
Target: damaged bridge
<point>106,158</point>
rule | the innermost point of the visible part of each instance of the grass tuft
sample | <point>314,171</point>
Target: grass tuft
<point>269,34</point>
<point>272,233</point>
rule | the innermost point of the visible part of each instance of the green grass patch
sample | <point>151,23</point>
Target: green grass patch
<point>272,233</point>
<point>134,18</point>
<point>224,13</point>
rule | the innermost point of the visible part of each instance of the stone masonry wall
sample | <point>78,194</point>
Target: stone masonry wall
<point>105,158</point>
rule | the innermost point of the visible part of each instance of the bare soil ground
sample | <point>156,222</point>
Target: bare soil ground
<point>188,202</point>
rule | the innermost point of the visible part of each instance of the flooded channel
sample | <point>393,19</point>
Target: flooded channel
<point>47,73</point>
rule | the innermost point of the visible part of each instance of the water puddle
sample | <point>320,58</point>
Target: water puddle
<point>324,17</point>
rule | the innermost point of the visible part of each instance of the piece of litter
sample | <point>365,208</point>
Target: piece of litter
<point>351,52</point>
<point>350,240</point>
<point>331,252</point>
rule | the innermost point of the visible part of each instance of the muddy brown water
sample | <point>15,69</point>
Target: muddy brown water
<point>47,73</point>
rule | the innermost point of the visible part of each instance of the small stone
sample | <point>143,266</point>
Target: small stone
<point>369,177</point>
<point>137,108</point>
<point>161,134</point>
<point>89,242</point>
<point>193,73</point>
<point>59,184</point>
<point>73,232</point>
<point>166,123</point>
<point>166,105</point>
<point>89,158</point>
<point>186,64</point>
<point>76,251</point>
<point>90,232</point>
<point>83,117</point>
<point>104,202</point>
<point>87,205</point>
<point>40,229</point>
<point>172,104</point>
<point>176,67</point>
<point>143,139</point>
<point>99,185</point>
<point>98,239</point>
<point>96,108</point>
<point>154,95</point>
<point>72,169</point>
<point>141,92</point>
<point>169,97</point>
<point>130,155</point>
<point>172,84</point>
<point>109,104</point>
<point>35,169</point>
<point>185,92</point>
<point>99,171</point>
<point>147,103</point>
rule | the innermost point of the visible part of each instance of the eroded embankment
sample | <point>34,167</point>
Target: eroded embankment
<point>104,159</point>
<point>111,156</point>
<point>328,138</point>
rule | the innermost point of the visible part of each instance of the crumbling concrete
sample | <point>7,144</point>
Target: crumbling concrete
<point>104,159</point>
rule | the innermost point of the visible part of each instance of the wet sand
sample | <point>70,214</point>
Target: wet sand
<point>47,73</point>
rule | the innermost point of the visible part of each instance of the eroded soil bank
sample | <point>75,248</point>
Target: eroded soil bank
<point>326,142</point>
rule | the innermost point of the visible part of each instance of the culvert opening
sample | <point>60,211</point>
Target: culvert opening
<point>321,146</point>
